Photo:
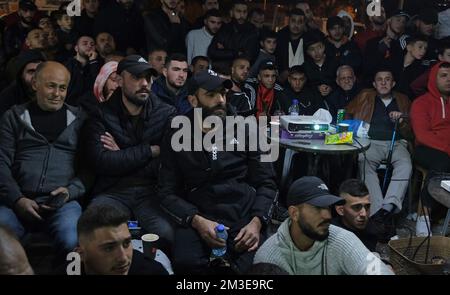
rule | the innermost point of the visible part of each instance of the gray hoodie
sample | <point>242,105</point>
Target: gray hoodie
<point>342,253</point>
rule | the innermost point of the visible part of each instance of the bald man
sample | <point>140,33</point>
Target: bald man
<point>39,185</point>
<point>13,260</point>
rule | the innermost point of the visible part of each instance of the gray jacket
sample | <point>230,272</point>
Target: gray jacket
<point>31,166</point>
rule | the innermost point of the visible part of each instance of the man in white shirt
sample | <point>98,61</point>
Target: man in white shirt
<point>197,41</point>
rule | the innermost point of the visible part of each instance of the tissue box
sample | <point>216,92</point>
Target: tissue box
<point>445,184</point>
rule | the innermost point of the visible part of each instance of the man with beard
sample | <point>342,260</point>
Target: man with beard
<point>83,67</point>
<point>354,214</point>
<point>21,90</point>
<point>289,50</point>
<point>340,47</point>
<point>206,5</point>
<point>166,28</point>
<point>202,188</point>
<point>197,41</point>
<point>123,20</point>
<point>122,142</point>
<point>105,45</point>
<point>239,95</point>
<point>171,87</point>
<point>239,38</point>
<point>311,23</point>
<point>306,243</point>
<point>15,34</point>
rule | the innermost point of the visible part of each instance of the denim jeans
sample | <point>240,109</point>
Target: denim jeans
<point>61,225</point>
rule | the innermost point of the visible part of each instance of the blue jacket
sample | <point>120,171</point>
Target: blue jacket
<point>179,101</point>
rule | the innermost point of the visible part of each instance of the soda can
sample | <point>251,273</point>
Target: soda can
<point>340,115</point>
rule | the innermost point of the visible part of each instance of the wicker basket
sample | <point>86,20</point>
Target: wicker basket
<point>402,250</point>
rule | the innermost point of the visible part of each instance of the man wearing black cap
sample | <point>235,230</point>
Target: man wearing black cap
<point>122,143</point>
<point>306,243</point>
<point>203,187</point>
<point>15,34</point>
<point>340,47</point>
<point>21,90</point>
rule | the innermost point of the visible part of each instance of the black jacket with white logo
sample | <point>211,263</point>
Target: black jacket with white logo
<point>230,187</point>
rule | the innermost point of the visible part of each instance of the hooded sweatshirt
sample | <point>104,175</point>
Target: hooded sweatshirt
<point>430,117</point>
<point>340,254</point>
<point>16,93</point>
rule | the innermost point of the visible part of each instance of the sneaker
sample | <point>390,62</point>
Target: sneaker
<point>422,225</point>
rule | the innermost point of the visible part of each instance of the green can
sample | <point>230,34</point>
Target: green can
<point>340,116</point>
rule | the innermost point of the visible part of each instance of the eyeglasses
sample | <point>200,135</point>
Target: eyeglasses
<point>358,207</point>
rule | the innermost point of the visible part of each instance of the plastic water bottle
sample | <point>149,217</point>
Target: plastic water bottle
<point>222,234</point>
<point>294,108</point>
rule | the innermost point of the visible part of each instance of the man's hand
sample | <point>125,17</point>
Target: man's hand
<point>60,190</point>
<point>155,151</point>
<point>324,89</point>
<point>248,237</point>
<point>395,116</point>
<point>108,142</point>
<point>206,230</point>
<point>93,55</point>
<point>220,46</point>
<point>27,209</point>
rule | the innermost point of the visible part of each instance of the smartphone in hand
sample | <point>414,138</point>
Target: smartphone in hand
<point>56,201</point>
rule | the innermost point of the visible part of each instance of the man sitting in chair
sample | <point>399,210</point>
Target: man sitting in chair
<point>430,121</point>
<point>381,107</point>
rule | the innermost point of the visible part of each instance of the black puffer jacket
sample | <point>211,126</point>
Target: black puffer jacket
<point>237,40</point>
<point>162,34</point>
<point>228,187</point>
<point>134,159</point>
<point>30,165</point>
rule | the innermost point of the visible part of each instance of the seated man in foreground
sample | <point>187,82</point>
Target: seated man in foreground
<point>39,183</point>
<point>306,243</point>
<point>201,188</point>
<point>105,244</point>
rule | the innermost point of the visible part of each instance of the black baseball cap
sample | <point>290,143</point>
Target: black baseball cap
<point>27,5</point>
<point>267,65</point>
<point>428,16</point>
<point>208,80</point>
<point>136,65</point>
<point>313,191</point>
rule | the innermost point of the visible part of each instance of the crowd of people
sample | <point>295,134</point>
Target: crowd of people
<point>87,105</point>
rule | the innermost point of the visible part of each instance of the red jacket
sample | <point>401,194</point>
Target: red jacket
<point>430,117</point>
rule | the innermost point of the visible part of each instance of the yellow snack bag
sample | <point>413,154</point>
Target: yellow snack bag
<point>339,138</point>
